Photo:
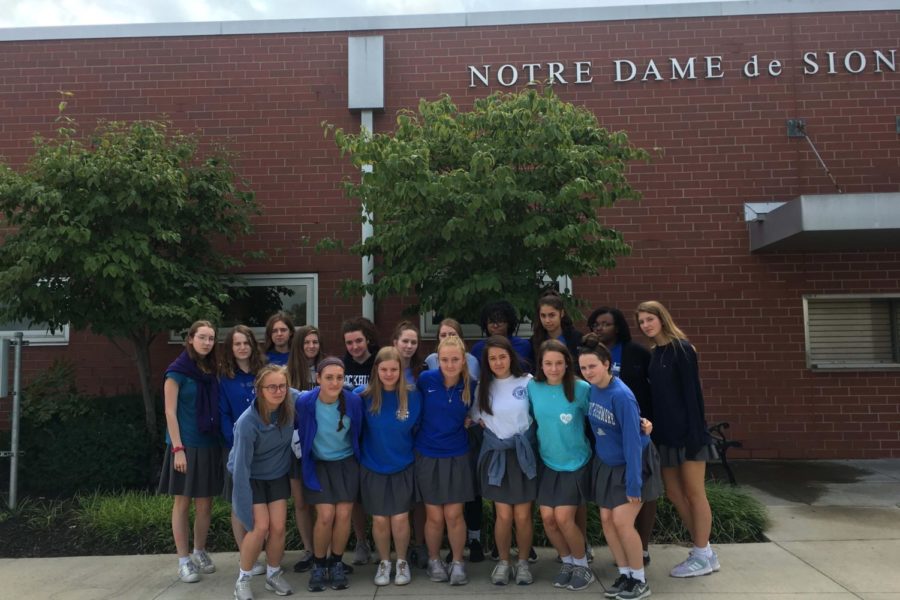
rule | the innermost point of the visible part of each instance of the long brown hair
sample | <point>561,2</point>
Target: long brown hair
<point>670,330</point>
<point>228,364</point>
<point>487,375</point>
<point>286,410</point>
<point>298,365</point>
<point>416,364</point>
<point>455,342</point>
<point>568,381</point>
<point>375,389</point>
<point>270,324</point>
<point>210,362</point>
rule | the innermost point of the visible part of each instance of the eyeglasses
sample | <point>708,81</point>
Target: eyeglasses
<point>275,387</point>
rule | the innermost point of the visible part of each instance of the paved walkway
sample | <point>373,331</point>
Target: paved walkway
<point>835,535</point>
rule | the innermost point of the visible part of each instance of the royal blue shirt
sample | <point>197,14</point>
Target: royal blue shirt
<point>278,358</point>
<point>388,438</point>
<point>442,433</point>
<point>235,395</point>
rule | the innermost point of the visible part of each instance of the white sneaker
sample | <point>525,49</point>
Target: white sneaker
<point>203,561</point>
<point>242,590</point>
<point>437,571</point>
<point>695,566</point>
<point>523,573</point>
<point>403,576</point>
<point>361,554</point>
<point>259,568</point>
<point>383,574</point>
<point>188,572</point>
<point>458,573</point>
<point>714,562</point>
<point>501,573</point>
<point>277,584</point>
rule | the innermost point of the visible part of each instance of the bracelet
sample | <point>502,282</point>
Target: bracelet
<point>177,449</point>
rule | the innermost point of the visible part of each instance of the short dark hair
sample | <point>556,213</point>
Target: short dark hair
<point>623,333</point>
<point>500,310</point>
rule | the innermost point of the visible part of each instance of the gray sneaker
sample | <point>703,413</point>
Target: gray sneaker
<point>458,573</point>
<point>617,586</point>
<point>361,554</point>
<point>501,573</point>
<point>242,589</point>
<point>402,576</point>
<point>203,561</point>
<point>582,577</point>
<point>523,573</point>
<point>695,566</point>
<point>714,562</point>
<point>437,571</point>
<point>277,584</point>
<point>634,590</point>
<point>188,572</point>
<point>564,576</point>
<point>259,568</point>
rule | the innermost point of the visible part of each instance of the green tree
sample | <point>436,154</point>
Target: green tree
<point>120,233</point>
<point>467,207</point>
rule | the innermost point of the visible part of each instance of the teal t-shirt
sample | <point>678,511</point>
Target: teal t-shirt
<point>187,414</point>
<point>562,441</point>
<point>329,443</point>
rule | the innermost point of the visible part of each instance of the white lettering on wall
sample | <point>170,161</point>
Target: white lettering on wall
<point>473,73</point>
<point>651,70</point>
<point>714,67</point>
<point>531,67</point>
<point>630,66</point>
<point>513,78</point>
<point>583,68</point>
<point>555,69</point>
<point>686,73</point>
<point>881,58</point>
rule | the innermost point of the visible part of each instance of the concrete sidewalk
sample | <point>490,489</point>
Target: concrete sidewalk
<point>835,534</point>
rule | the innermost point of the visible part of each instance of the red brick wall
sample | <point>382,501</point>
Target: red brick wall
<point>720,143</point>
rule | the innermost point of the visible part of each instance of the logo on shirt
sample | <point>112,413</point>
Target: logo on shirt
<point>402,415</point>
<point>520,393</point>
<point>566,418</point>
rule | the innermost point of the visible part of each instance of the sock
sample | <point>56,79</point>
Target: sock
<point>626,571</point>
<point>336,558</point>
<point>523,561</point>
<point>196,550</point>
<point>567,560</point>
<point>705,552</point>
<point>182,560</point>
<point>639,575</point>
<point>321,563</point>
<point>580,562</point>
<point>243,575</point>
<point>474,534</point>
<point>270,570</point>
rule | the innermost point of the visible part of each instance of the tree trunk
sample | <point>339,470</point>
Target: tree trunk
<point>141,345</point>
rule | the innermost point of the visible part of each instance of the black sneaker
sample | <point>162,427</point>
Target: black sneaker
<point>617,586</point>
<point>495,554</point>
<point>338,574</point>
<point>532,556</point>
<point>476,552</point>
<point>317,579</point>
<point>634,590</point>
<point>646,559</point>
<point>305,563</point>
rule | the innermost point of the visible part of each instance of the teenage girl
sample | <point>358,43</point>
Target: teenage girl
<point>279,335</point>
<point>507,464</point>
<point>626,467</point>
<point>305,354</point>
<point>444,477</point>
<point>500,318</point>
<point>680,434</point>
<point>559,403</point>
<point>406,340</point>
<point>554,324</point>
<point>192,468</point>
<point>329,422</point>
<point>447,328</point>
<point>241,361</point>
<point>393,408</point>
<point>259,463</point>
<point>630,362</point>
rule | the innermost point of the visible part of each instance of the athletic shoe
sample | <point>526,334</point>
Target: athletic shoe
<point>647,560</point>
<point>437,571</point>
<point>317,579</point>
<point>501,573</point>
<point>634,590</point>
<point>617,586</point>
<point>338,575</point>
<point>495,554</point>
<point>582,577</point>
<point>713,562</point>
<point>402,576</point>
<point>532,556</point>
<point>361,554</point>
<point>383,574</point>
<point>203,561</point>
<point>188,572</point>
<point>589,552</point>
<point>476,552</point>
<point>695,566</point>
<point>564,576</point>
<point>418,555</point>
<point>305,563</point>
<point>242,589</point>
<point>523,573</point>
<point>458,573</point>
<point>258,568</point>
<point>277,584</point>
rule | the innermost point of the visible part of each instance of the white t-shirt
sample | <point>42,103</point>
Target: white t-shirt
<point>509,403</point>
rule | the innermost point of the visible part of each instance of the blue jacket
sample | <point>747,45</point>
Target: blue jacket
<point>235,395</point>
<point>524,443</point>
<point>306,426</point>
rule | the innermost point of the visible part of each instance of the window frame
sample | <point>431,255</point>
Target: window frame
<point>36,337</point>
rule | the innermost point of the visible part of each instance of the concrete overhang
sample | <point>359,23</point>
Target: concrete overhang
<point>825,223</point>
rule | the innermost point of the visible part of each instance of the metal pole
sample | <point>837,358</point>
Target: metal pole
<point>368,262</point>
<point>17,401</point>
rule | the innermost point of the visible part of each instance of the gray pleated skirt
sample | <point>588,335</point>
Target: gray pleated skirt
<point>564,488</point>
<point>387,495</point>
<point>514,488</point>
<point>339,480</point>
<point>444,480</point>
<point>296,471</point>
<point>609,482</point>
<point>203,478</point>
<point>672,457</point>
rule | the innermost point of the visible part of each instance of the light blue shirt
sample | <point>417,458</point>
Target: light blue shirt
<point>562,439</point>
<point>329,443</point>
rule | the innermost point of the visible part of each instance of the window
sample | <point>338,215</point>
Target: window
<point>852,332</point>
<point>36,334</point>
<point>264,295</point>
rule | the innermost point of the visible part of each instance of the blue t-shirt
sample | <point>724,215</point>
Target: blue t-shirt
<point>442,433</point>
<point>562,442</point>
<point>329,443</point>
<point>615,366</point>
<point>278,358</point>
<point>388,437</point>
<point>186,412</point>
<point>235,395</point>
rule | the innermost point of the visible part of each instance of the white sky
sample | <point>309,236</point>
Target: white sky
<point>42,13</point>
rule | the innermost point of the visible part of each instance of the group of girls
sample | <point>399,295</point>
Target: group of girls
<point>402,439</point>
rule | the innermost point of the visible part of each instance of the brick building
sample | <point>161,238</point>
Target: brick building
<point>790,291</point>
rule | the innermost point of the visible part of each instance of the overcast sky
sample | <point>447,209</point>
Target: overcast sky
<point>38,13</point>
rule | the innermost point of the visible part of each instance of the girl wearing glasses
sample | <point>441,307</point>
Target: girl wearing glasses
<point>192,468</point>
<point>329,422</point>
<point>259,463</point>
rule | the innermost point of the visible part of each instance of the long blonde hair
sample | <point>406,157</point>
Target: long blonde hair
<point>375,389</point>
<point>670,330</point>
<point>286,412</point>
<point>454,342</point>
